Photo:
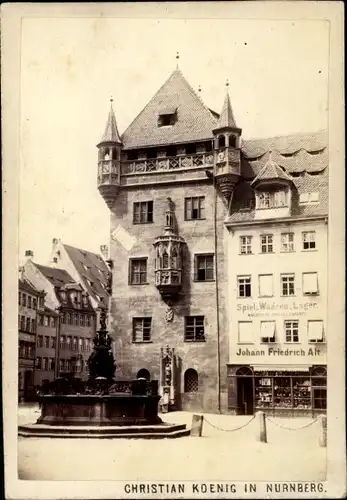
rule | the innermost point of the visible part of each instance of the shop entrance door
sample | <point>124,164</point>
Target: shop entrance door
<point>245,395</point>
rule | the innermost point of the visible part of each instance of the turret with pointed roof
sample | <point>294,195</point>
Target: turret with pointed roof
<point>227,145</point>
<point>109,161</point>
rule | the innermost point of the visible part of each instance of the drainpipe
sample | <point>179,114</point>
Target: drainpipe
<point>57,345</point>
<point>216,284</point>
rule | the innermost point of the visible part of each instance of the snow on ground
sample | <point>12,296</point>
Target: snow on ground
<point>289,455</point>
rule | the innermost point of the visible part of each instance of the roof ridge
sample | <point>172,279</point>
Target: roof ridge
<point>81,249</point>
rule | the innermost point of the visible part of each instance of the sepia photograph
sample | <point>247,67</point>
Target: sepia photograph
<point>174,240</point>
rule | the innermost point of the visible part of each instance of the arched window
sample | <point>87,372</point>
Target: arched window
<point>143,373</point>
<point>165,260</point>
<point>232,141</point>
<point>191,380</point>
<point>221,141</point>
<point>244,371</point>
<point>106,154</point>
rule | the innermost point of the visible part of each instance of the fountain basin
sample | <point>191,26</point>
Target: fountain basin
<point>104,410</point>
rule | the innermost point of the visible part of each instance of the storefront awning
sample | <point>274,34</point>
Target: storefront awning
<point>281,368</point>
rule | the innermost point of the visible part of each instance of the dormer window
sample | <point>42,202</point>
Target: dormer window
<point>167,117</point>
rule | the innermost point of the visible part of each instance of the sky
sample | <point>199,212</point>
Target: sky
<point>70,67</point>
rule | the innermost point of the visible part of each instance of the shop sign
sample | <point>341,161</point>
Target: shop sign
<point>277,352</point>
<point>263,308</point>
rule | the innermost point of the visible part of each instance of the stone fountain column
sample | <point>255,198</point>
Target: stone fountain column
<point>167,378</point>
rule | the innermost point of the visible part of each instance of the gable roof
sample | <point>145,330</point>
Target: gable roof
<point>271,171</point>
<point>111,133</point>
<point>92,269</point>
<point>195,121</point>
<point>25,286</point>
<point>58,277</point>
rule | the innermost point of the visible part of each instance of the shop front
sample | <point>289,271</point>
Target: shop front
<point>289,391</point>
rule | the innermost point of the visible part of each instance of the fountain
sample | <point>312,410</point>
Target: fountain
<point>102,406</point>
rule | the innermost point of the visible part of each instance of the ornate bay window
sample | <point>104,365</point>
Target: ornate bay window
<point>168,257</point>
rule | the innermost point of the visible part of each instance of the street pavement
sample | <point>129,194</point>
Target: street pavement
<point>220,454</point>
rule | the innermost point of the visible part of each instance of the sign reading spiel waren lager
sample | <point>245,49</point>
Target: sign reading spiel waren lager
<point>264,308</point>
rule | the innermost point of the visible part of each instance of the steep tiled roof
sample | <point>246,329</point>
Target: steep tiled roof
<point>58,277</point>
<point>111,133</point>
<point>226,118</point>
<point>243,205</point>
<point>92,269</point>
<point>294,153</point>
<point>195,121</point>
<point>50,311</point>
<point>25,286</point>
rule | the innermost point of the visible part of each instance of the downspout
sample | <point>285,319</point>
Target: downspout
<point>216,285</point>
<point>57,346</point>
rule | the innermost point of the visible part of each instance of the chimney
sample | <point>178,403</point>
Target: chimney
<point>104,251</point>
<point>54,241</point>
<point>29,254</point>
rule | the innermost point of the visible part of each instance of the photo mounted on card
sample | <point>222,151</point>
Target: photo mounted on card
<point>173,261</point>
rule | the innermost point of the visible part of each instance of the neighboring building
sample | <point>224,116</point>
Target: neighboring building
<point>30,300</point>
<point>46,345</point>
<point>180,184</point>
<point>76,322</point>
<point>88,269</point>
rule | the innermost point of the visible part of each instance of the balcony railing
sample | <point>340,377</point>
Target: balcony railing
<point>167,163</point>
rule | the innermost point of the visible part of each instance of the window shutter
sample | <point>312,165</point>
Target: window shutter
<point>265,285</point>
<point>315,331</point>
<point>310,283</point>
<point>267,329</point>
<point>245,331</point>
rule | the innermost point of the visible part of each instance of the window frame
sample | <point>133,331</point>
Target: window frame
<point>200,208</point>
<point>245,342</point>
<point>146,205</point>
<point>195,327</point>
<point>243,277</point>
<point>303,283</point>
<point>288,242</point>
<point>284,276</point>
<point>269,340</point>
<point>309,241</point>
<point>272,285</point>
<point>291,330</point>
<point>267,245</point>
<point>132,261</point>
<point>247,245</point>
<point>323,341</point>
<point>198,258</point>
<point>141,321</point>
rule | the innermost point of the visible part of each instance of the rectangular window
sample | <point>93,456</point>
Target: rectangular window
<point>68,342</point>
<point>40,320</point>
<point>61,365</point>
<point>138,271</point>
<point>204,267</point>
<point>74,344</point>
<point>267,331</point>
<point>315,331</point>
<point>29,301</point>
<point>53,342</point>
<point>291,329</point>
<point>167,119</point>
<point>82,320</point>
<point>50,364</point>
<point>22,323</point>
<point>265,285</point>
<point>194,208</point>
<point>143,212</point>
<point>75,319</point>
<point>80,344</point>
<point>24,300</point>
<point>245,332</point>
<point>62,342</point>
<point>30,351</point>
<point>244,286</point>
<point>45,321</point>
<point>40,341</point>
<point>245,245</point>
<point>27,326</point>
<point>309,240</point>
<point>46,341</point>
<point>274,199</point>
<point>45,363</point>
<point>142,329</point>
<point>19,298</point>
<point>194,330</point>
<point>266,241</point>
<point>288,284</point>
<point>38,363</point>
<point>69,319</point>
<point>53,322</point>
<point>34,303</point>
<point>310,283</point>
<point>287,242</point>
<point>88,320</point>
<point>33,326</point>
